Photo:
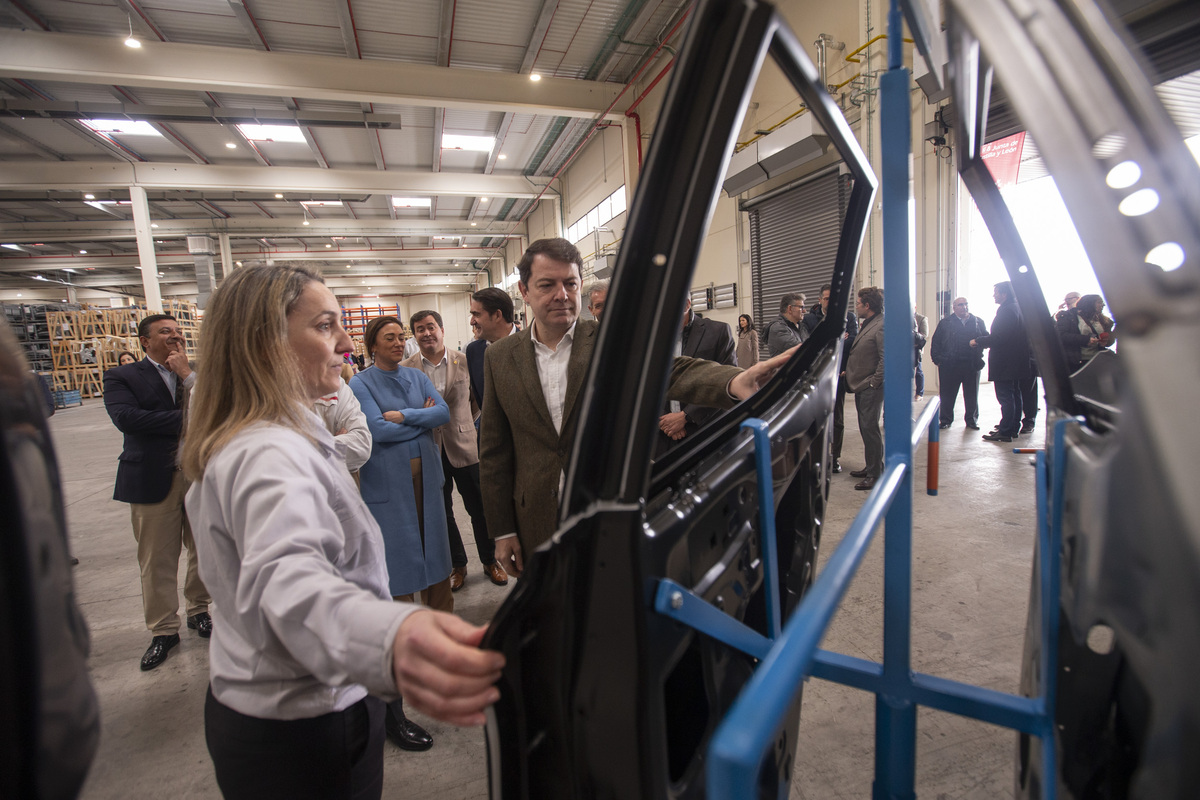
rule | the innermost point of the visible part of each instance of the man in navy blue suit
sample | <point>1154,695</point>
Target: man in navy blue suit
<point>491,320</point>
<point>147,401</point>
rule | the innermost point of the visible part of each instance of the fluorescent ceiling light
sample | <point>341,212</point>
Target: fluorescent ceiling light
<point>320,203</point>
<point>279,195</point>
<point>452,141</point>
<point>121,127</point>
<point>446,238</point>
<point>272,133</point>
<point>411,202</point>
<point>89,197</point>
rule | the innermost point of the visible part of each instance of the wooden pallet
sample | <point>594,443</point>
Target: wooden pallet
<point>89,381</point>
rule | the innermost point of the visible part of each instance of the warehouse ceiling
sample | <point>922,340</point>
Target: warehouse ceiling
<point>393,145</point>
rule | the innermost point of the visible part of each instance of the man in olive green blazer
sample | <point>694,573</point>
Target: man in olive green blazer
<point>532,385</point>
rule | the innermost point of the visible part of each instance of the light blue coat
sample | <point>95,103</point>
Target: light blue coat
<point>386,478</point>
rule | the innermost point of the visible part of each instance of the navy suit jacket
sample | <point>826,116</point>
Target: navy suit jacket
<point>474,352</point>
<point>140,406</point>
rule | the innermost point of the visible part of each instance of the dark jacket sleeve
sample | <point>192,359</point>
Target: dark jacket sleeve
<point>938,347</point>
<point>126,412</point>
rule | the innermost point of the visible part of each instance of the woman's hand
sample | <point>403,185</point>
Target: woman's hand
<point>441,671</point>
<point>393,416</point>
<point>429,402</point>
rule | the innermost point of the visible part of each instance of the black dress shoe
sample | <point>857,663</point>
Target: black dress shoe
<point>972,426</point>
<point>835,467</point>
<point>1027,427</point>
<point>944,425</point>
<point>403,732</point>
<point>866,484</point>
<point>201,623</point>
<point>996,437</point>
<point>157,652</point>
<point>858,473</point>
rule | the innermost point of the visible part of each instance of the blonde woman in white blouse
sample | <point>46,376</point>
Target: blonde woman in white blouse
<point>308,643</point>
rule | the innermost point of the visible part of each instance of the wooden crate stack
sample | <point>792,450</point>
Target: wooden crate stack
<point>85,343</point>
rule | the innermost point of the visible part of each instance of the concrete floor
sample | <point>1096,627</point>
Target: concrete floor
<point>972,546</point>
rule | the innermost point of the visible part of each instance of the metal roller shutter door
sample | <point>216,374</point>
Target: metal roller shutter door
<point>794,242</point>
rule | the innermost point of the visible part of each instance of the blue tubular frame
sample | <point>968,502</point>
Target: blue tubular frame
<point>743,738</point>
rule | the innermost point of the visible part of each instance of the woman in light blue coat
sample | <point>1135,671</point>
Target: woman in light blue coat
<point>402,486</point>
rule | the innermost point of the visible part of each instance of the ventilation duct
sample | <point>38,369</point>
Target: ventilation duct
<point>780,151</point>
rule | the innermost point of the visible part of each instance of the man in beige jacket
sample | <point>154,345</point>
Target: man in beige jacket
<point>447,369</point>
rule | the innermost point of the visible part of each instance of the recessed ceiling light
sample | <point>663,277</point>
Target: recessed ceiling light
<point>411,202</point>
<point>502,156</point>
<point>18,294</point>
<point>153,224</point>
<point>472,224</point>
<point>231,145</point>
<point>533,76</point>
<point>482,144</point>
<point>483,199</point>
<point>162,274</point>
<point>237,263</point>
<point>89,197</point>
<point>121,127</point>
<point>272,133</point>
<point>83,252</point>
<point>279,195</point>
<point>329,245</point>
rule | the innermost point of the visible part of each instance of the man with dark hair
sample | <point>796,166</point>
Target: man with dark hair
<point>958,363</point>
<point>457,441</point>
<point>1010,362</point>
<point>147,401</point>
<point>698,338</point>
<point>811,321</point>
<point>532,392</point>
<point>597,295</point>
<point>787,330</point>
<point>864,376</point>
<point>491,320</point>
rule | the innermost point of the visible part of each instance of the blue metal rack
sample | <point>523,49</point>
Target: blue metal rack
<point>789,656</point>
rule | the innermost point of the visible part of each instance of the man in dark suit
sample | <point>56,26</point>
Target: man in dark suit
<point>532,386</point>
<point>147,401</point>
<point>491,320</point>
<point>699,338</point>
<point>958,363</point>
<point>1010,362</point>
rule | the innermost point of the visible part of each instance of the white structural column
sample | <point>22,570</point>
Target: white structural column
<point>629,155</point>
<point>226,256</point>
<point>145,241</point>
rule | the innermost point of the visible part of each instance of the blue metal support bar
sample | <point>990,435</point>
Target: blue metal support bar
<point>739,743</point>
<point>680,603</point>
<point>926,420</point>
<point>895,711</point>
<point>766,522</point>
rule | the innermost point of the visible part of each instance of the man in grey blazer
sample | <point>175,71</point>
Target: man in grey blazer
<point>457,440</point>
<point>864,376</point>
<point>532,385</point>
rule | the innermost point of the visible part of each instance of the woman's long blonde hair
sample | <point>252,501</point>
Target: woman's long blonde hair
<point>249,373</point>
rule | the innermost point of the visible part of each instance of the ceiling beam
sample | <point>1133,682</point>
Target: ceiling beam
<point>49,152</point>
<point>206,68</point>
<point>248,24</point>
<point>241,227</point>
<point>23,15</point>
<point>90,175</point>
<point>439,254</point>
<point>64,109</point>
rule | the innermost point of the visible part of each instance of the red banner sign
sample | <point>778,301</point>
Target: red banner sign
<point>1003,158</point>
